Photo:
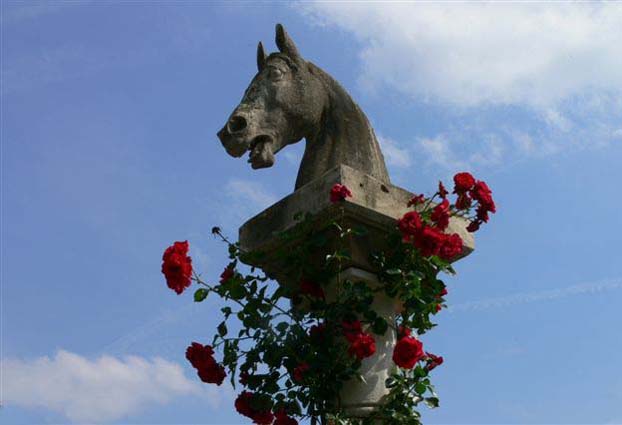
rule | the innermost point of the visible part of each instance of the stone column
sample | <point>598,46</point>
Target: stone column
<point>359,398</point>
<point>373,205</point>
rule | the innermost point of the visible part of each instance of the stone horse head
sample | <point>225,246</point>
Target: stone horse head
<point>290,99</point>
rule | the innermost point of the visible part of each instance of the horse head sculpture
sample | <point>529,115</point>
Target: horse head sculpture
<point>290,99</point>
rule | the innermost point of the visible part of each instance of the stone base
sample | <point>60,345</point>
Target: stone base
<point>374,205</point>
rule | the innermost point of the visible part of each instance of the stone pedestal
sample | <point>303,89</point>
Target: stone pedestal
<point>373,205</point>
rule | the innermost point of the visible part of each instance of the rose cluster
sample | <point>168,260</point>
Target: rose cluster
<point>201,358</point>
<point>430,239</point>
<point>248,404</point>
<point>468,190</point>
<point>425,227</point>
<point>177,267</point>
<point>362,344</point>
<point>409,351</point>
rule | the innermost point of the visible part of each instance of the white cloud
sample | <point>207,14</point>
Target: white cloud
<point>99,390</point>
<point>439,152</point>
<point>250,193</point>
<point>535,54</point>
<point>393,153</point>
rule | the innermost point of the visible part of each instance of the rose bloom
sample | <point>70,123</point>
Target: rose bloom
<point>416,200</point>
<point>463,182</point>
<point>299,371</point>
<point>429,241</point>
<point>442,192</point>
<point>212,373</point>
<point>351,329</point>
<point>177,267</point>
<point>362,346</point>
<point>281,418</point>
<point>339,193</point>
<point>451,247</point>
<point>440,215</point>
<point>199,355</point>
<point>264,417</point>
<point>403,332</point>
<point>473,226</point>
<point>410,224</point>
<point>227,274</point>
<point>433,361</point>
<point>407,352</point>
<point>311,289</point>
<point>243,403</point>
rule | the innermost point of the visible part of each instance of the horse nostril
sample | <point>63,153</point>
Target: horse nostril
<point>236,124</point>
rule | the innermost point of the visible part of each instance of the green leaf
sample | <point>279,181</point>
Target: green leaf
<point>432,402</point>
<point>222,329</point>
<point>420,388</point>
<point>394,272</point>
<point>282,327</point>
<point>380,326</point>
<point>200,294</point>
<point>360,231</point>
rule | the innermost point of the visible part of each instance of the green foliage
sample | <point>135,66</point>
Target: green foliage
<point>277,335</point>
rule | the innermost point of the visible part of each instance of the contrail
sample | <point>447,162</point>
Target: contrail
<point>531,297</point>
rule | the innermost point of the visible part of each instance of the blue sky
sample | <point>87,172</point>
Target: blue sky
<point>109,153</point>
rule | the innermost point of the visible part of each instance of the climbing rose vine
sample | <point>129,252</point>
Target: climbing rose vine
<point>293,346</point>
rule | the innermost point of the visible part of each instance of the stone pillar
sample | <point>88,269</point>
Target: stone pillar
<point>374,205</point>
<point>359,398</point>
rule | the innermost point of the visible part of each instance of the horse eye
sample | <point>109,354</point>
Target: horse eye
<point>275,73</point>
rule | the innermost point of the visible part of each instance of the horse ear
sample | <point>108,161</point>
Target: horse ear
<point>261,57</point>
<point>285,44</point>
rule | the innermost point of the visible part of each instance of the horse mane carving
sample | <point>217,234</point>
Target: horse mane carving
<point>290,99</point>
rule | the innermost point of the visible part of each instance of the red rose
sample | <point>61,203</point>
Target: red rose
<point>177,266</point>
<point>283,419</point>
<point>299,371</point>
<point>312,289</point>
<point>451,246</point>
<point>410,224</point>
<point>227,274</point>
<point>443,292</point>
<point>429,241</point>
<point>473,226</point>
<point>433,361</point>
<point>264,417</point>
<point>339,193</point>
<point>243,403</point>
<point>362,346</point>
<point>440,215</point>
<point>212,374</point>
<point>482,194</point>
<point>407,352</point>
<point>403,332</point>
<point>201,358</point>
<point>442,192</point>
<point>416,200</point>
<point>351,329</point>
<point>463,182</point>
<point>199,355</point>
<point>243,378</point>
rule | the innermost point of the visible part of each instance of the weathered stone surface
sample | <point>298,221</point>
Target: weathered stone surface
<point>374,204</point>
<point>359,398</point>
<point>290,99</point>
